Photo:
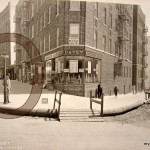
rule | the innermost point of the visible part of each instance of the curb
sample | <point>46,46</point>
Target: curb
<point>122,110</point>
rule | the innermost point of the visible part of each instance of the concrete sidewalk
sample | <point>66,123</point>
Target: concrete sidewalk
<point>112,105</point>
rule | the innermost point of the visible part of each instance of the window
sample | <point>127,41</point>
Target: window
<point>32,10</point>
<point>110,47</point>
<point>95,22</point>
<point>74,5</point>
<point>96,9</point>
<point>95,39</point>
<point>104,43</point>
<point>92,70</point>
<point>32,31</point>
<point>37,27</point>
<point>41,23</point>
<point>116,49</point>
<point>116,25</point>
<point>110,21</point>
<point>37,4</point>
<point>49,41</point>
<point>57,36</point>
<point>74,70</point>
<point>57,3</point>
<point>44,20</point>
<point>49,14</point>
<point>44,44</point>
<point>105,16</point>
<point>40,46</point>
<point>74,34</point>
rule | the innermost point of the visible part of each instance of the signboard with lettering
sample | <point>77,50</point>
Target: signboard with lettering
<point>73,66</point>
<point>81,70</point>
<point>54,55</point>
<point>66,70</point>
<point>73,40</point>
<point>74,52</point>
<point>93,55</point>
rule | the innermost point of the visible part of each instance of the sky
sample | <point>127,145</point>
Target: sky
<point>145,5</point>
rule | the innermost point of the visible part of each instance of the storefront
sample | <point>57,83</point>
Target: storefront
<point>73,71</point>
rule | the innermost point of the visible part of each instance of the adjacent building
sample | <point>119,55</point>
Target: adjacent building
<point>81,44</point>
<point>148,68</point>
<point>7,26</point>
<point>140,52</point>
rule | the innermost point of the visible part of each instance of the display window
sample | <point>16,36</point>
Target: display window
<point>59,67</point>
<point>48,70</point>
<point>74,70</point>
<point>92,70</point>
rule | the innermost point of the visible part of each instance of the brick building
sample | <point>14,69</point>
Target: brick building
<point>4,28</point>
<point>147,86</point>
<point>81,44</point>
<point>139,49</point>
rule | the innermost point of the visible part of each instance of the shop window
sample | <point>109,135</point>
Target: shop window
<point>74,5</point>
<point>92,70</point>
<point>48,70</point>
<point>59,67</point>
<point>74,71</point>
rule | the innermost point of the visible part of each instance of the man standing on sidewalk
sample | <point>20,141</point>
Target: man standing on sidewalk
<point>8,86</point>
<point>100,90</point>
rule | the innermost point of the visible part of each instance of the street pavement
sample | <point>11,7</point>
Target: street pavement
<point>26,133</point>
<point>72,105</point>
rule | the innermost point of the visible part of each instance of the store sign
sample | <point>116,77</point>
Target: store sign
<point>66,70</point>
<point>73,40</point>
<point>93,55</point>
<point>81,70</point>
<point>73,66</point>
<point>54,55</point>
<point>74,52</point>
<point>89,66</point>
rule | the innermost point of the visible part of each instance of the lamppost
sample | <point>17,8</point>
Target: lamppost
<point>4,55</point>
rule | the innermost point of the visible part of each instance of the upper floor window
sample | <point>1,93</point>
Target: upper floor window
<point>95,39</point>
<point>104,43</point>
<point>104,16</point>
<point>44,21</point>
<point>32,9</point>
<point>49,14</point>
<point>96,9</point>
<point>110,21</point>
<point>32,31</point>
<point>57,3</point>
<point>74,34</point>
<point>49,41</point>
<point>74,5</point>
<point>57,36</point>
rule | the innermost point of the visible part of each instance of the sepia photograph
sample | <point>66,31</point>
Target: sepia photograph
<point>74,75</point>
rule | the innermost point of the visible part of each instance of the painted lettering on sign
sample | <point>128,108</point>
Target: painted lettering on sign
<point>74,52</point>
<point>94,55</point>
<point>54,55</point>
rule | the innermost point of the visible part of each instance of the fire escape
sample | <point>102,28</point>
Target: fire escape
<point>123,31</point>
<point>144,56</point>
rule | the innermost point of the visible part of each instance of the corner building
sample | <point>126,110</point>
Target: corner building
<point>81,44</point>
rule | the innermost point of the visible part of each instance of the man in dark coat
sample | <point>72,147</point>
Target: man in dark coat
<point>99,90</point>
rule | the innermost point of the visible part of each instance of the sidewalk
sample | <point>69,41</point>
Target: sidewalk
<point>112,105</point>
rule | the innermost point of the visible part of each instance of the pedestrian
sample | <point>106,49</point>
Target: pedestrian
<point>116,91</point>
<point>96,93</point>
<point>8,86</point>
<point>99,90</point>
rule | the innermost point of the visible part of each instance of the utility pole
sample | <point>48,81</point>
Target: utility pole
<point>5,90</point>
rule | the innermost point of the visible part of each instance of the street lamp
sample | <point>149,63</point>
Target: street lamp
<point>4,55</point>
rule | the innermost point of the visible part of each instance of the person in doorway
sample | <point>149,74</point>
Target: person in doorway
<point>8,86</point>
<point>99,90</point>
<point>116,91</point>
